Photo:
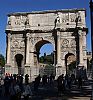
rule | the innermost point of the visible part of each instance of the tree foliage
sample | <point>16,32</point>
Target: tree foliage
<point>89,63</point>
<point>2,60</point>
<point>47,59</point>
<point>72,65</point>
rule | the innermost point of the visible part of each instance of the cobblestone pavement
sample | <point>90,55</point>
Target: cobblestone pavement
<point>50,93</point>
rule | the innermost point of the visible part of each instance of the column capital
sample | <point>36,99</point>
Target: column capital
<point>9,35</point>
<point>80,32</point>
<point>27,35</point>
<point>58,32</point>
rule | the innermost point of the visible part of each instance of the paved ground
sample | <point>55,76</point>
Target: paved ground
<point>50,93</point>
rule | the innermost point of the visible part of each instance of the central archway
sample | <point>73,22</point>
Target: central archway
<point>45,59</point>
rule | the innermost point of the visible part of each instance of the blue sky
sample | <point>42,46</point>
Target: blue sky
<point>10,6</point>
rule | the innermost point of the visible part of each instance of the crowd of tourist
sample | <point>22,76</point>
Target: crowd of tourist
<point>14,87</point>
<point>66,82</point>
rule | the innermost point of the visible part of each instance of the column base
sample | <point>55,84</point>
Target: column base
<point>7,65</point>
<point>81,71</point>
<point>11,70</point>
<point>80,65</point>
<point>27,65</point>
<point>60,70</point>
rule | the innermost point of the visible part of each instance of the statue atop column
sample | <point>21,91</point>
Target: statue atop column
<point>57,21</point>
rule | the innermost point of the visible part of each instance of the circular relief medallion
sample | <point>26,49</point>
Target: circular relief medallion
<point>65,43</point>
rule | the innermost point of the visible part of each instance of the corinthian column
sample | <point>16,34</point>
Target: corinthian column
<point>8,49</point>
<point>27,49</point>
<point>58,48</point>
<point>80,47</point>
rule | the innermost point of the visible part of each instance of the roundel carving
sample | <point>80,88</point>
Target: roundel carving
<point>15,44</point>
<point>65,43</point>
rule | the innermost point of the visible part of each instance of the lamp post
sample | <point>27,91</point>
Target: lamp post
<point>91,17</point>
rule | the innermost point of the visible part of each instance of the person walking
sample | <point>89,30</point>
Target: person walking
<point>27,91</point>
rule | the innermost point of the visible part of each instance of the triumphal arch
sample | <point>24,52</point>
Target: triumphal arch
<point>27,32</point>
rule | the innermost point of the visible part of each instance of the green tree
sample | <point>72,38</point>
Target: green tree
<point>90,64</point>
<point>72,65</point>
<point>2,60</point>
<point>48,59</point>
<point>41,59</point>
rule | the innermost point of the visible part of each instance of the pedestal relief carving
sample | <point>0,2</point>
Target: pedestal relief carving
<point>50,39</point>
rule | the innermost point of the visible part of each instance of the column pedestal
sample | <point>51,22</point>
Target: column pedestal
<point>32,71</point>
<point>11,70</point>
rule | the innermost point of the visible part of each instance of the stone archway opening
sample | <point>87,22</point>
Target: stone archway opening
<point>45,57</point>
<point>70,63</point>
<point>19,59</point>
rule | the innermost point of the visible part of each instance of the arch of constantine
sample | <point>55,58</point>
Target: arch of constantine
<point>27,32</point>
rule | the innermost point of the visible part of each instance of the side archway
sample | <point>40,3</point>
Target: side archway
<point>70,63</point>
<point>18,62</point>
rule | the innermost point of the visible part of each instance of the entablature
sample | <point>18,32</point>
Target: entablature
<point>42,20</point>
<point>48,31</point>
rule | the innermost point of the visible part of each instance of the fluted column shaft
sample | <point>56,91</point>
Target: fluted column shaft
<point>58,48</point>
<point>8,48</point>
<point>27,48</point>
<point>80,47</point>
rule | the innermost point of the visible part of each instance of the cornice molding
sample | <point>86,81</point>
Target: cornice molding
<point>49,31</point>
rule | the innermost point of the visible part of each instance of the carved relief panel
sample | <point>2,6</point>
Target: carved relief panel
<point>68,43</point>
<point>73,43</point>
<point>20,20</point>
<point>65,17</point>
<point>64,44</point>
<point>17,43</point>
<point>17,46</point>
